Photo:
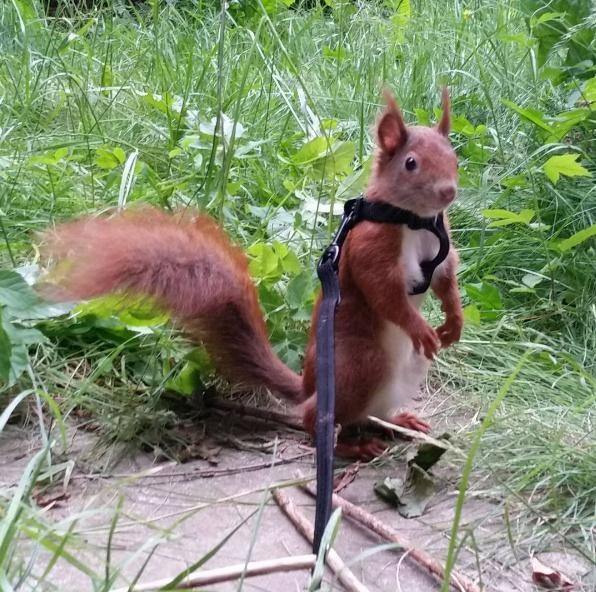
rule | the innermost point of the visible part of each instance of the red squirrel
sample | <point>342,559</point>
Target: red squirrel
<point>383,344</point>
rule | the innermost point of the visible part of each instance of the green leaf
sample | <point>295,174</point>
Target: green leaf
<point>545,17</point>
<point>403,13</point>
<point>106,159</point>
<point>339,53</point>
<point>472,314</point>
<point>487,298</point>
<point>531,280</point>
<point>15,293</point>
<point>576,239</point>
<point>520,39</point>
<point>353,185</point>
<point>422,116</point>
<point>134,312</point>
<point>119,154</point>
<point>340,159</point>
<point>264,261</point>
<point>564,164</point>
<point>187,381</point>
<point>532,115</point>
<point>290,263</point>
<point>589,90</point>
<point>19,340</point>
<point>311,151</point>
<point>300,290</point>
<point>565,122</point>
<point>5,353</point>
<point>505,217</point>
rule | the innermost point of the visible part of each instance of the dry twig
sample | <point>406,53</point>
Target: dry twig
<point>232,572</point>
<point>339,568</point>
<point>458,580</point>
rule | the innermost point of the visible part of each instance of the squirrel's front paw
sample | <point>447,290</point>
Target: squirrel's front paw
<point>450,331</point>
<point>424,338</point>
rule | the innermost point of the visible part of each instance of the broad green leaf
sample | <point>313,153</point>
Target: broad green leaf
<point>106,159</point>
<point>532,115</point>
<point>589,90</point>
<point>520,39</point>
<point>487,298</point>
<point>311,151</point>
<point>134,312</point>
<point>264,261</point>
<point>15,293</point>
<point>353,185</point>
<point>422,116</point>
<point>290,263</point>
<point>300,289</point>
<point>576,239</point>
<point>564,164</point>
<point>119,154</point>
<point>339,53</point>
<point>545,17</point>
<point>531,280</point>
<point>472,314</point>
<point>187,381</point>
<point>565,122</point>
<point>5,353</point>
<point>462,125</point>
<point>505,217</point>
<point>514,181</point>
<point>403,13</point>
<point>19,339</point>
<point>341,157</point>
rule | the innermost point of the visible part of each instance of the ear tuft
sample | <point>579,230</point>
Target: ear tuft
<point>391,129</point>
<point>444,125</point>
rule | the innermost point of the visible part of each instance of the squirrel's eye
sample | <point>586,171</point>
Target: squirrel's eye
<point>411,163</point>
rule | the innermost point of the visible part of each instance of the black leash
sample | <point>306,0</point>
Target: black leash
<point>355,211</point>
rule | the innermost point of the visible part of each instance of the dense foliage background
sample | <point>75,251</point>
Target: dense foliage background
<point>261,114</point>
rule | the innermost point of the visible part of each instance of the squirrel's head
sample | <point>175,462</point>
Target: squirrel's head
<point>415,167</point>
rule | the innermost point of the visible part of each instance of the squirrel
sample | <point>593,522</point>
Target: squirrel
<point>384,345</point>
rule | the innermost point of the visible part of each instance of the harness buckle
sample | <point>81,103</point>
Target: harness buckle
<point>332,253</point>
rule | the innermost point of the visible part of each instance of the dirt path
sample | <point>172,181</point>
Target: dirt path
<point>190,507</point>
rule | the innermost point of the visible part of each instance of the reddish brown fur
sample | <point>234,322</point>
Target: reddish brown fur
<point>187,263</point>
<point>371,279</point>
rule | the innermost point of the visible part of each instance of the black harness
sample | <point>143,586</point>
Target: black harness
<point>355,211</point>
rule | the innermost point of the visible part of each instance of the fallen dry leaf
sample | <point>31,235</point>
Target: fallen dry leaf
<point>410,495</point>
<point>50,500</point>
<point>549,578</point>
<point>346,477</point>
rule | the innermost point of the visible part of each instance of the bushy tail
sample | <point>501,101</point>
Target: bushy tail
<point>188,265</point>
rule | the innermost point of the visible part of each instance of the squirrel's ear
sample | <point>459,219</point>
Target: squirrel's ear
<point>444,125</point>
<point>391,129</point>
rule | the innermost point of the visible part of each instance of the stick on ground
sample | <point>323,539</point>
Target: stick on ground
<point>304,526</point>
<point>232,572</point>
<point>458,580</point>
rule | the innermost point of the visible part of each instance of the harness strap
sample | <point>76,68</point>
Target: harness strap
<point>355,211</point>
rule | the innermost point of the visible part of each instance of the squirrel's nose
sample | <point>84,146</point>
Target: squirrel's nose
<point>446,193</point>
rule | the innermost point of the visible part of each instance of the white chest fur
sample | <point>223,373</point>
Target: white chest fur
<point>407,369</point>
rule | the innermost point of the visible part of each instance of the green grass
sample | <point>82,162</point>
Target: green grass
<point>118,103</point>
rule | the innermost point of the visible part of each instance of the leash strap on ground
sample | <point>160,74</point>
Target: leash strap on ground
<point>325,426</point>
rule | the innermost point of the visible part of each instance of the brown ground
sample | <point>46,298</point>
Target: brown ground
<point>199,508</point>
